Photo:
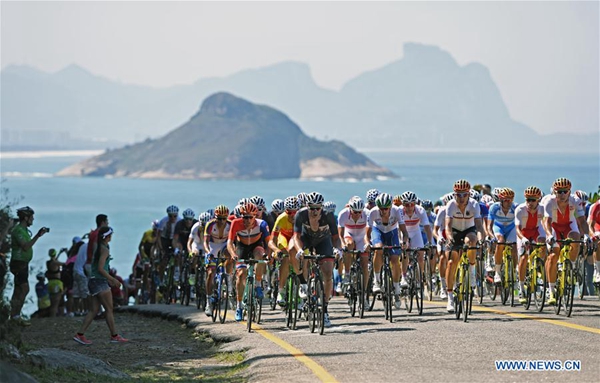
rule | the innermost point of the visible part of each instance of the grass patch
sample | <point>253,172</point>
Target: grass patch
<point>233,357</point>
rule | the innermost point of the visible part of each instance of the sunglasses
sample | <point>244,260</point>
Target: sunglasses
<point>507,200</point>
<point>409,204</point>
<point>248,217</point>
<point>221,218</point>
<point>356,211</point>
<point>384,208</point>
<point>461,194</point>
<point>562,191</point>
<point>291,212</point>
<point>531,199</point>
<point>314,208</point>
<point>172,215</point>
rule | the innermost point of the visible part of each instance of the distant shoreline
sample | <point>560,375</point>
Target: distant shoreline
<point>50,153</point>
<point>472,150</point>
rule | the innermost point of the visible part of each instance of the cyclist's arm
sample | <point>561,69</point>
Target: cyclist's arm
<point>298,242</point>
<point>141,247</point>
<point>405,236</point>
<point>428,233</point>
<point>547,221</point>
<point>341,230</point>
<point>480,229</point>
<point>449,229</point>
<point>189,244</point>
<point>581,224</point>
<point>368,236</point>
<point>272,241</point>
<point>175,242</point>
<point>231,248</point>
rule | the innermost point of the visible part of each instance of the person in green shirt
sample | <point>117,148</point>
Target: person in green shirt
<point>21,254</point>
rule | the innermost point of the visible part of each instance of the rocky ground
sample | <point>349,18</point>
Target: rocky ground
<point>159,350</point>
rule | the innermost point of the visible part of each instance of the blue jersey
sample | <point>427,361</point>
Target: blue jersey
<point>505,221</point>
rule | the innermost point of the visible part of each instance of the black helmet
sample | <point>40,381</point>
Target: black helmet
<point>24,212</point>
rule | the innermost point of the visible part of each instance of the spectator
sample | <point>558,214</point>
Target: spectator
<point>101,221</point>
<point>67,273</point>
<point>22,253</point>
<point>41,290</point>
<point>131,289</point>
<point>99,285</point>
<point>55,284</point>
<point>80,282</point>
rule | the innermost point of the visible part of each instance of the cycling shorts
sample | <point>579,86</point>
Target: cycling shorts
<point>246,252</point>
<point>459,236</point>
<point>386,239</point>
<point>215,248</point>
<point>508,232</point>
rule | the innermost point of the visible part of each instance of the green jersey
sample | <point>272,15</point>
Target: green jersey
<point>19,236</point>
<point>95,273</point>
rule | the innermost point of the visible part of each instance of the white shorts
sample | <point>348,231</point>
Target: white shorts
<point>416,239</point>
<point>359,241</point>
<point>216,247</point>
<point>521,248</point>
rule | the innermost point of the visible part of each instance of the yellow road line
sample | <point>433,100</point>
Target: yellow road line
<point>556,322</point>
<point>315,367</point>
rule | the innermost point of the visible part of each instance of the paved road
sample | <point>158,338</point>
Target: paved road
<point>431,347</point>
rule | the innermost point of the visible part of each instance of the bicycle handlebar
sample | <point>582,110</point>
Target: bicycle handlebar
<point>506,243</point>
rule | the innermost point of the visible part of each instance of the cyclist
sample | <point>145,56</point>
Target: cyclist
<point>501,222</point>
<point>146,252</point>
<point>313,228</point>
<point>183,228</point>
<point>245,241</point>
<point>463,223</point>
<point>528,224</point>
<point>484,209</point>
<point>561,213</point>
<point>216,233</point>
<point>166,229</point>
<point>594,230</point>
<point>414,217</point>
<point>352,228</point>
<point>383,221</point>
<point>371,197</point>
<point>277,207</point>
<point>282,241</point>
<point>439,232</point>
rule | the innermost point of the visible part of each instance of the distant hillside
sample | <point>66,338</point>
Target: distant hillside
<point>231,138</point>
<point>423,100</point>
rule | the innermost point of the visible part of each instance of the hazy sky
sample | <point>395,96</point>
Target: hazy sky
<point>542,55</point>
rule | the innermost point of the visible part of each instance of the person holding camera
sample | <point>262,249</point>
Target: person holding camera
<point>22,253</point>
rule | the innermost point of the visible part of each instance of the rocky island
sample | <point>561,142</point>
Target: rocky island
<point>232,138</point>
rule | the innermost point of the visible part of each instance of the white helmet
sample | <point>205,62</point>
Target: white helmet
<point>408,196</point>
<point>188,214</point>
<point>356,204</point>
<point>278,206</point>
<point>172,209</point>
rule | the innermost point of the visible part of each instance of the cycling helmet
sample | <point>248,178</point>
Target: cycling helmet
<point>475,195</point>
<point>447,198</point>
<point>236,211</point>
<point>487,199</point>
<point>397,200</point>
<point>278,206</point>
<point>495,194</point>
<point>561,183</point>
<point>461,186</point>
<point>291,203</point>
<point>52,253</point>
<point>40,276</point>
<point>211,213</point>
<point>249,209</point>
<point>533,192</point>
<point>372,195</point>
<point>172,210</point>
<point>203,218</point>
<point>155,224</point>
<point>427,204</point>
<point>357,204</point>
<point>258,201</point>
<point>221,211</point>
<point>408,196</point>
<point>315,198</point>
<point>582,195</point>
<point>383,200</point>
<point>188,214</point>
<point>243,201</point>
<point>24,211</point>
<point>329,206</point>
<point>506,193</point>
<point>302,198</point>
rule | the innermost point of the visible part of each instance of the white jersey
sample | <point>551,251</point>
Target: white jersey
<point>463,221</point>
<point>195,233</point>
<point>522,216</point>
<point>351,227</point>
<point>416,220</point>
<point>396,217</point>
<point>574,210</point>
<point>164,231</point>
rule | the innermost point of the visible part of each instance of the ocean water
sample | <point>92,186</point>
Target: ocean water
<point>69,205</point>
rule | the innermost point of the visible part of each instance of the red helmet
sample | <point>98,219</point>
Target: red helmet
<point>561,183</point>
<point>533,192</point>
<point>462,186</point>
<point>249,209</point>
<point>506,193</point>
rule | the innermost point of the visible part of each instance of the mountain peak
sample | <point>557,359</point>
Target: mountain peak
<point>416,52</point>
<point>227,105</point>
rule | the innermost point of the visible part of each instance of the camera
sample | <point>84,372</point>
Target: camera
<point>46,229</point>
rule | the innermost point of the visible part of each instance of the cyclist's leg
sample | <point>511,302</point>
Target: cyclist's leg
<point>498,254</point>
<point>377,258</point>
<point>471,241</point>
<point>575,235</point>
<point>348,258</point>
<point>257,254</point>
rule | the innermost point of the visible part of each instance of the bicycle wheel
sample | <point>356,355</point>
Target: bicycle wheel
<point>274,288</point>
<point>458,299</point>
<point>539,291</point>
<point>360,294</point>
<point>289,299</point>
<point>418,280</point>
<point>320,304</point>
<point>569,290</point>
<point>258,308</point>
<point>480,272</point>
<point>200,289</point>
<point>311,308</point>
<point>504,283</point>
<point>388,292</point>
<point>186,289</point>
<point>351,291</point>
<point>560,283</point>
<point>250,304</point>
<point>369,290</point>
<point>466,292</point>
<point>428,279</point>
<point>170,286</point>
<point>511,280</point>
<point>580,276</point>
<point>530,278</point>
<point>222,299</point>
